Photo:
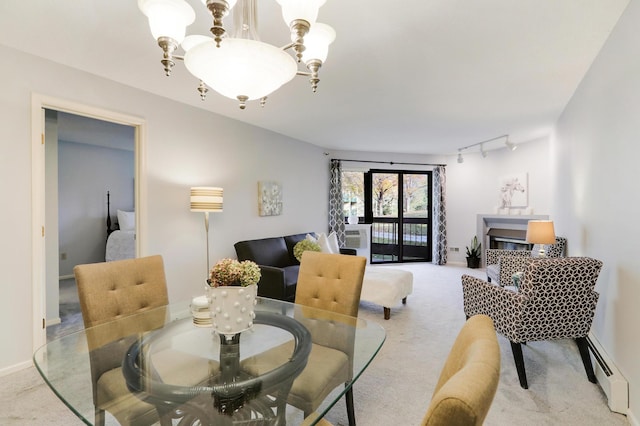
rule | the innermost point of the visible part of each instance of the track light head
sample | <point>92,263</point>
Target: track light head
<point>482,151</point>
<point>510,145</point>
<point>460,159</point>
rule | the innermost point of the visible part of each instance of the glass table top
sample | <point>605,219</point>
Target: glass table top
<point>166,360</point>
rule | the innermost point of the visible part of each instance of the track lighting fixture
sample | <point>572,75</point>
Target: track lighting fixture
<point>483,151</point>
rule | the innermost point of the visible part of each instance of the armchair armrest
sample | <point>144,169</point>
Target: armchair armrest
<point>503,305</point>
<point>272,282</point>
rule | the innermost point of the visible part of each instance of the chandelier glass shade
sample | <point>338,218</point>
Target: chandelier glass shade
<point>295,9</point>
<point>167,18</point>
<point>317,42</point>
<point>241,69</point>
<point>240,66</point>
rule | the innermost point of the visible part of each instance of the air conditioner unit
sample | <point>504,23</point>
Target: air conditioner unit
<point>613,384</point>
<point>355,238</point>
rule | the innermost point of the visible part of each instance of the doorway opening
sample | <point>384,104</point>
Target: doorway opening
<point>48,249</point>
<point>89,181</point>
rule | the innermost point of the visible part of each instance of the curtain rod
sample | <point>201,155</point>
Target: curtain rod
<point>391,162</point>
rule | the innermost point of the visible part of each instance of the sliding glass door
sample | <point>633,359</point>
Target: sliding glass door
<point>398,206</point>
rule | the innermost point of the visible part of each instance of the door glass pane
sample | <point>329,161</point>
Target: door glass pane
<point>415,228</point>
<point>385,194</point>
<point>416,195</point>
<point>384,229</point>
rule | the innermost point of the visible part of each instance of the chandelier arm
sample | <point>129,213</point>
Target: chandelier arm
<point>299,28</point>
<point>218,9</point>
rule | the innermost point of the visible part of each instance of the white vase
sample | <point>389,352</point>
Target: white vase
<point>232,308</point>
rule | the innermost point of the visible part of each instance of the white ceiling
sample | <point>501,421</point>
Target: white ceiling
<point>425,76</point>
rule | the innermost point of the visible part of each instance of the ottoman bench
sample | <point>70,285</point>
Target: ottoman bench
<point>386,287</point>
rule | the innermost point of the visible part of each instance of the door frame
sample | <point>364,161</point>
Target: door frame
<point>38,206</point>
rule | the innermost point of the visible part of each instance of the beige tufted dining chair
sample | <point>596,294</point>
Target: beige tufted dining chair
<point>469,378</point>
<point>331,283</point>
<point>116,290</point>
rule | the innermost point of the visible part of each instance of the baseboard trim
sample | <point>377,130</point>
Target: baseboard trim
<point>15,368</point>
<point>53,321</point>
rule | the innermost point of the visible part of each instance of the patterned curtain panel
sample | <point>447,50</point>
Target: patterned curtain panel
<point>336,214</point>
<point>439,216</point>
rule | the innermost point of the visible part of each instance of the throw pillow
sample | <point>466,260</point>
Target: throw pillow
<point>126,220</point>
<point>333,243</point>
<point>323,241</point>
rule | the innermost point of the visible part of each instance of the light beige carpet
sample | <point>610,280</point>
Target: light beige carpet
<point>397,386</point>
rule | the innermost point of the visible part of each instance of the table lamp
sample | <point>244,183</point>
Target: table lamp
<point>541,232</point>
<point>206,199</point>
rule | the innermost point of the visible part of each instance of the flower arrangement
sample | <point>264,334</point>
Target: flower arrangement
<point>303,246</point>
<point>230,272</point>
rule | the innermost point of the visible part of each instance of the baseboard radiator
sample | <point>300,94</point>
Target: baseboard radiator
<point>614,385</point>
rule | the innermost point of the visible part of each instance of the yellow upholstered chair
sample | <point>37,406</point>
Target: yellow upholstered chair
<point>469,378</point>
<point>332,283</point>
<point>116,290</point>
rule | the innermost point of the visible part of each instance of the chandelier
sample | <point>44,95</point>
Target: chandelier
<point>240,66</point>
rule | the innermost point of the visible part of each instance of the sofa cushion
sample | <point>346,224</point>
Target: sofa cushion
<point>265,251</point>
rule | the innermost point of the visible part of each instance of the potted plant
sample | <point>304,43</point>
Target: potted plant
<point>474,253</point>
<point>232,295</point>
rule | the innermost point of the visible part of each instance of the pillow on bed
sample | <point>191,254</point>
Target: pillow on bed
<point>126,220</point>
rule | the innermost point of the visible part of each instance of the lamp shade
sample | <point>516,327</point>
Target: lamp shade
<point>206,199</point>
<point>540,232</point>
<point>317,42</point>
<point>168,18</point>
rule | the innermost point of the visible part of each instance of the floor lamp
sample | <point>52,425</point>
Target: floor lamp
<point>206,199</point>
<point>541,232</point>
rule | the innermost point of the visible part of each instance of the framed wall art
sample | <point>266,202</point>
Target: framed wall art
<point>269,198</point>
<point>514,191</point>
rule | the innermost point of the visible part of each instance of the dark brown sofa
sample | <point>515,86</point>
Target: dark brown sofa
<point>278,265</point>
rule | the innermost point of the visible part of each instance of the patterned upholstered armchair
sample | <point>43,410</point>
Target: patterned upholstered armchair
<point>502,264</point>
<point>555,300</point>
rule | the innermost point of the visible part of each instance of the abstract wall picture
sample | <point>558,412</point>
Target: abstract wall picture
<point>514,191</point>
<point>269,198</point>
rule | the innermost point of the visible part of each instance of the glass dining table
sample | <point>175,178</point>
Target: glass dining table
<point>164,358</point>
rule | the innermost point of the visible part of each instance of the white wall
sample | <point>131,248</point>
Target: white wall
<point>184,147</point>
<point>595,197</point>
